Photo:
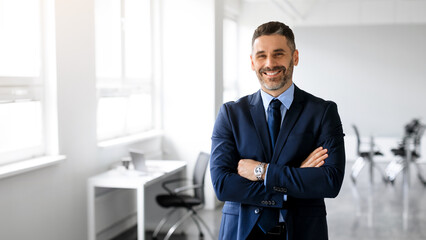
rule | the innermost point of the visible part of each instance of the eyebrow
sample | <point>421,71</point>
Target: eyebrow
<point>276,50</point>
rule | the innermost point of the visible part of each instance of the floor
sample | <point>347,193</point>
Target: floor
<point>360,212</point>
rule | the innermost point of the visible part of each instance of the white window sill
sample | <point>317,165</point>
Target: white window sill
<point>29,165</point>
<point>130,139</point>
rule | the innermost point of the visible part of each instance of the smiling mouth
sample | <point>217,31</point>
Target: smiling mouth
<point>271,73</point>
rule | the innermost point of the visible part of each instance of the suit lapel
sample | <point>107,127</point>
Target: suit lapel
<point>257,112</point>
<point>289,121</point>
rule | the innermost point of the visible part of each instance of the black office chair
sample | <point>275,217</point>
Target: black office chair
<point>177,200</point>
<point>408,151</point>
<point>364,157</point>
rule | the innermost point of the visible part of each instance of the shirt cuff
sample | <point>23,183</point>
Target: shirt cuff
<point>266,174</point>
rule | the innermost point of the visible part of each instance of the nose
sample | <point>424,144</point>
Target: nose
<point>270,62</point>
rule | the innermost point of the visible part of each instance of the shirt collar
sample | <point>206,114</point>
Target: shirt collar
<point>286,98</point>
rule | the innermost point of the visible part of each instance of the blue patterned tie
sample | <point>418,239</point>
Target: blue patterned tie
<point>269,217</point>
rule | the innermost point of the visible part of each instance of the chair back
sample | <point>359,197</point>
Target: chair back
<point>358,140</point>
<point>417,139</point>
<point>199,174</point>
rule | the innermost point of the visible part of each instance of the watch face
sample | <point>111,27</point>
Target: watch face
<point>258,170</point>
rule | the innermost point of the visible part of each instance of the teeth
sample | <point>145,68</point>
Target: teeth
<point>269,74</point>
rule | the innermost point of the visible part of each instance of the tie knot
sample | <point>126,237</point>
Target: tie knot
<point>275,104</point>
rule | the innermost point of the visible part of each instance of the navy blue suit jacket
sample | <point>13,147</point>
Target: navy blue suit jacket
<point>241,132</point>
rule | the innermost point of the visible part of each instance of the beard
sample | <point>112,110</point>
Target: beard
<point>276,83</point>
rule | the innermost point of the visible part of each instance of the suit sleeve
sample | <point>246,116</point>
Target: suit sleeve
<point>322,182</point>
<point>228,185</point>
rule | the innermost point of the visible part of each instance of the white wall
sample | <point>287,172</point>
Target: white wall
<point>375,73</point>
<point>188,64</point>
<point>189,75</point>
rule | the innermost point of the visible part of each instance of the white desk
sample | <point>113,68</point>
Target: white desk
<point>158,170</point>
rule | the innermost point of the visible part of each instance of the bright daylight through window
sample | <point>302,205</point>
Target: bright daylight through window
<point>123,67</point>
<point>230,60</point>
<point>21,81</point>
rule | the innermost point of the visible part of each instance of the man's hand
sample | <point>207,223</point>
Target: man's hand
<point>246,169</point>
<point>315,159</point>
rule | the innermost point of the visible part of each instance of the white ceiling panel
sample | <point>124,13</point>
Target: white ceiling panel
<point>343,12</point>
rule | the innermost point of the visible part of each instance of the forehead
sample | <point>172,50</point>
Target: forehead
<point>270,43</point>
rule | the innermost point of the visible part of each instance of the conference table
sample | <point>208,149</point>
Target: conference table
<point>157,170</point>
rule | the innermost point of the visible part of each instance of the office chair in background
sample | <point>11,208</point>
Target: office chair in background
<point>177,200</point>
<point>364,157</point>
<point>408,151</point>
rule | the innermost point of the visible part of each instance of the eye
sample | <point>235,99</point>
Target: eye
<point>279,54</point>
<point>261,56</point>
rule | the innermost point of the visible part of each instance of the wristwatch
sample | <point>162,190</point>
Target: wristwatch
<point>259,170</point>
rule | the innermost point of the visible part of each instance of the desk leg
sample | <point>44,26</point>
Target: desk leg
<point>141,212</point>
<point>91,211</point>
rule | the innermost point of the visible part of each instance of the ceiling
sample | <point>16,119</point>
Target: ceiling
<point>338,12</point>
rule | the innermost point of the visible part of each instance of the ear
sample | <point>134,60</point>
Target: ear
<point>252,63</point>
<point>295,57</point>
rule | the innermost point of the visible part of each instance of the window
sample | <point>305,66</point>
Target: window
<point>230,60</point>
<point>124,67</point>
<point>23,82</point>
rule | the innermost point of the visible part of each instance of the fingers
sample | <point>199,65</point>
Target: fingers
<point>318,149</point>
<point>309,158</point>
<point>320,161</point>
<point>316,158</point>
<point>320,164</point>
<point>314,152</point>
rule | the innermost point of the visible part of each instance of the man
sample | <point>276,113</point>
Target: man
<point>276,154</point>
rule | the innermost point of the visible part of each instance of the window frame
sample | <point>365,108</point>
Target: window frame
<point>130,86</point>
<point>40,88</point>
<point>231,91</point>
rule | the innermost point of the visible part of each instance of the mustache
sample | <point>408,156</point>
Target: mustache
<point>277,68</point>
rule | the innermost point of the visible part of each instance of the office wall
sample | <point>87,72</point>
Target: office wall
<point>189,75</point>
<point>375,73</point>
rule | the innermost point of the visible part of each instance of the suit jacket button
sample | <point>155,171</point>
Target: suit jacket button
<point>284,190</point>
<point>264,202</point>
<point>256,211</point>
<point>272,202</point>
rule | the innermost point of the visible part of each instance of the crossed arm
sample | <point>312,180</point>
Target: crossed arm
<point>315,159</point>
<point>320,175</point>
